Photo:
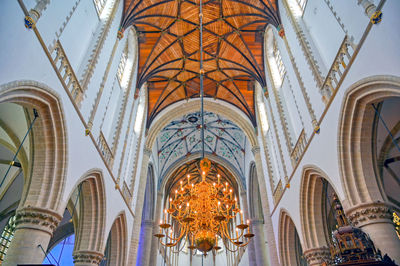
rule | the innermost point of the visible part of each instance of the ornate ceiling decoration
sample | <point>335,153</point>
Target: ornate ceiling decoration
<point>168,32</point>
<point>181,138</point>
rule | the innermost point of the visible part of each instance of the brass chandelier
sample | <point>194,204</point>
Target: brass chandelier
<point>202,213</point>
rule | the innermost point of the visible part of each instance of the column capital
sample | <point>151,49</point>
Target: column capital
<point>87,257</point>
<point>147,152</point>
<point>37,218</point>
<point>370,213</point>
<point>316,256</point>
<point>256,221</point>
<point>255,150</point>
<point>148,223</point>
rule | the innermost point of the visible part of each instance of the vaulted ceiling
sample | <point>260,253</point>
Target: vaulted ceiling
<point>169,45</point>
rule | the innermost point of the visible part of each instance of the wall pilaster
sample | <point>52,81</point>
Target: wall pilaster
<point>273,252</point>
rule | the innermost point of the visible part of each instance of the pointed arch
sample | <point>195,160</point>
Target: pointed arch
<point>91,210</point>
<point>288,240</point>
<point>255,207</point>
<point>355,134</point>
<point>313,220</point>
<point>44,187</point>
<point>118,241</point>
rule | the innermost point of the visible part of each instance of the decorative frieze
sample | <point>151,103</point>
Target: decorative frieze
<point>87,257</point>
<point>317,256</point>
<point>298,148</point>
<point>334,77</point>
<point>65,71</point>
<point>105,149</point>
<point>376,212</point>
<point>37,218</point>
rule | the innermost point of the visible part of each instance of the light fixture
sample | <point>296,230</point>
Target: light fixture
<point>201,213</point>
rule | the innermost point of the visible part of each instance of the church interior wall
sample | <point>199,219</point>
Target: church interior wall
<point>78,27</point>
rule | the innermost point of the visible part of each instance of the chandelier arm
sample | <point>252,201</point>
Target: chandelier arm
<point>226,233</point>
<point>180,249</point>
<point>230,250</point>
<point>179,237</point>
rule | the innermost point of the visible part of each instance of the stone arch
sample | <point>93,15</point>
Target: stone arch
<point>287,239</point>
<point>315,230</point>
<point>90,225</point>
<point>149,195</point>
<point>45,185</point>
<point>312,218</point>
<point>180,108</point>
<point>354,136</point>
<point>118,241</point>
<point>196,155</point>
<point>255,207</point>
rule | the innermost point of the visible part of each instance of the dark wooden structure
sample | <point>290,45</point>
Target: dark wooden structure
<point>169,45</point>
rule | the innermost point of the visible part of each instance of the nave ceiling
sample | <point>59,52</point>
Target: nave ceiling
<point>169,49</point>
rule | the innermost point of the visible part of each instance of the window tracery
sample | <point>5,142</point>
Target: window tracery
<point>122,63</point>
<point>278,61</point>
<point>6,237</point>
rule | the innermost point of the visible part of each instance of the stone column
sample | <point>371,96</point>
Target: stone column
<point>40,6</point>
<point>87,258</point>
<point>257,226</point>
<point>34,228</point>
<point>368,6</point>
<point>154,241</point>
<point>273,252</point>
<point>146,233</point>
<point>251,245</point>
<point>375,219</point>
<point>316,256</point>
<point>139,208</point>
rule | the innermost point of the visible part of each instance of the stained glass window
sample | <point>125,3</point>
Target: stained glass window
<point>6,237</point>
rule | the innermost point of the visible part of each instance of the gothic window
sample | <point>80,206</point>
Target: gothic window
<point>6,237</point>
<point>278,60</point>
<point>122,63</point>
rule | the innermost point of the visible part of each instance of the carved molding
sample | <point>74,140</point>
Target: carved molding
<point>317,256</point>
<point>37,218</point>
<point>255,150</point>
<point>87,257</point>
<point>371,213</point>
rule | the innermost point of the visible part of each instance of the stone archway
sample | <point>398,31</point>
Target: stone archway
<point>38,213</point>
<point>313,216</point>
<point>290,246</point>
<point>118,241</point>
<point>367,206</point>
<point>90,227</point>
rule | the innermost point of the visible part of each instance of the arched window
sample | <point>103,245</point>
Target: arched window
<point>278,60</point>
<point>122,63</point>
<point>6,237</point>
<point>134,143</point>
